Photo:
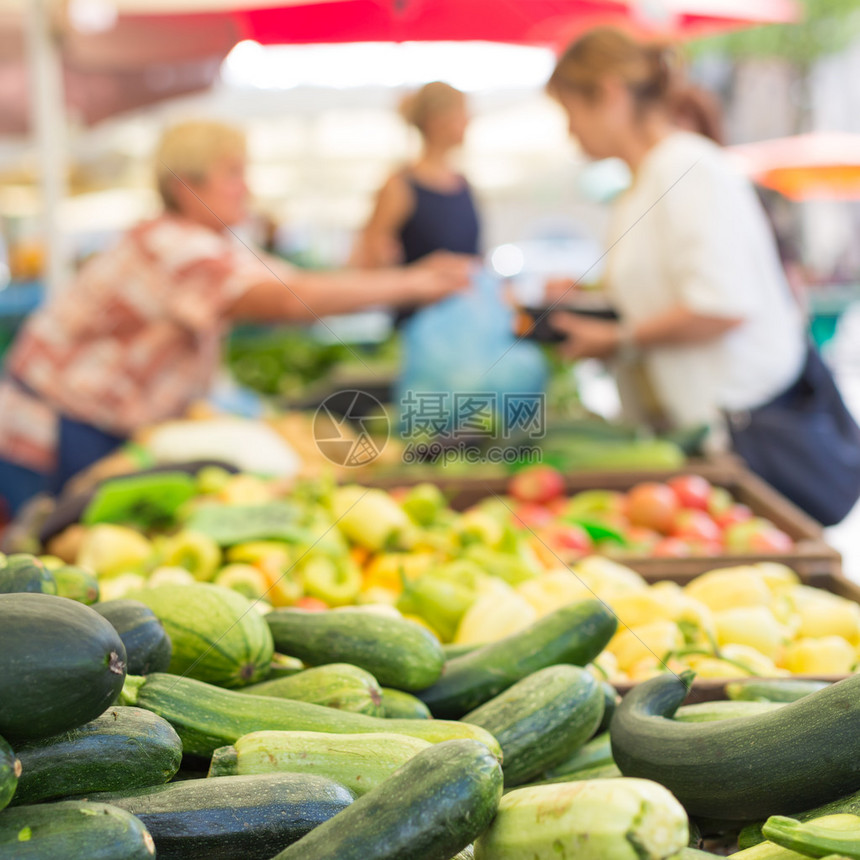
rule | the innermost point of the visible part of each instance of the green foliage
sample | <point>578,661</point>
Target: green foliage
<point>829,26</point>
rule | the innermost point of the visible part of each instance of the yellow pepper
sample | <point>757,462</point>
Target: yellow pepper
<point>552,590</point>
<point>754,626</point>
<point>829,655</point>
<point>608,578</point>
<point>824,614</point>
<point>497,613</point>
<point>729,588</point>
<point>383,570</point>
<point>654,640</point>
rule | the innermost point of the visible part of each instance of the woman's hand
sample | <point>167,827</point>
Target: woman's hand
<point>586,338</point>
<point>556,290</point>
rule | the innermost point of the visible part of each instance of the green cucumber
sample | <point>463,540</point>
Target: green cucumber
<point>403,706</point>
<point>596,753</point>
<point>207,717</point>
<point>752,835</point>
<point>73,830</point>
<point>147,645</point>
<point>284,667</point>
<point>541,720</point>
<point>773,689</point>
<point>431,808</point>
<point>337,685</point>
<point>359,762</point>
<point>61,665</point>
<point>613,819</point>
<point>251,817</point>
<point>610,703</point>
<point>821,837</point>
<point>76,583</point>
<point>398,653</point>
<point>23,573</point>
<point>217,635</point>
<point>124,748</point>
<point>454,649</point>
<point>573,634</point>
<point>10,772</point>
<point>798,755</point>
<point>708,712</point>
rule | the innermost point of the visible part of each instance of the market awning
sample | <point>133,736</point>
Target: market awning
<point>822,165</point>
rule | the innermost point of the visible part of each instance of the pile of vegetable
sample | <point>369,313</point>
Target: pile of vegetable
<point>179,722</point>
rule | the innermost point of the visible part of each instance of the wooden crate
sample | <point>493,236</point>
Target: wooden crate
<point>714,689</point>
<point>811,554</point>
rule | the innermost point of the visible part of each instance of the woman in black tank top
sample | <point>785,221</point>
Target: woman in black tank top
<point>427,206</point>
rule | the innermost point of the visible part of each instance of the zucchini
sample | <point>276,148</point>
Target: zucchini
<point>468,853</point>
<point>76,583</point>
<point>708,712</point>
<point>610,703</point>
<point>458,649</point>
<point>73,830</point>
<point>359,762</point>
<point>398,653</point>
<point>431,808</point>
<point>147,645</point>
<point>821,837</point>
<point>752,835</point>
<point>10,771</point>
<point>124,748</point>
<point>216,634</point>
<point>251,817</point>
<point>338,685</point>
<point>207,717</point>
<point>284,667</point>
<point>23,573</point>
<point>596,753</point>
<point>403,706</point>
<point>61,665</point>
<point>573,634</point>
<point>541,720</point>
<point>801,754</point>
<point>773,689</point>
<point>616,819</point>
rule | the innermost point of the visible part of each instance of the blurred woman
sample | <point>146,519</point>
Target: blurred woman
<point>692,266</point>
<point>135,338</point>
<point>427,205</point>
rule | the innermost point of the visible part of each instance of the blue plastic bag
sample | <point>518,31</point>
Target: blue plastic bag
<point>461,346</point>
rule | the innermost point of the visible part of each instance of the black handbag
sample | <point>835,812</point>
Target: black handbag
<point>805,443</point>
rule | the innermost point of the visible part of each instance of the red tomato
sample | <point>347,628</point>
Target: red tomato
<point>735,514</point>
<point>536,484</point>
<point>312,604</point>
<point>696,525</point>
<point>719,502</point>
<point>771,540</point>
<point>653,506</point>
<point>530,516</point>
<point>672,548</point>
<point>693,491</point>
<point>567,537</point>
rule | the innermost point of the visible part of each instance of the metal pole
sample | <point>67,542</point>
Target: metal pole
<point>48,117</point>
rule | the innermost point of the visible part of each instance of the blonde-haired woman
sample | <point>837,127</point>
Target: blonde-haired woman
<point>427,205</point>
<point>135,337</point>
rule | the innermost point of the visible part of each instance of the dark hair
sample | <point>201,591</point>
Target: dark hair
<point>698,110</point>
<point>648,70</point>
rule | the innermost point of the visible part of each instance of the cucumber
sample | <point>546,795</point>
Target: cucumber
<point>773,689</point>
<point>124,748</point>
<point>217,635</point>
<point>614,819</point>
<point>10,771</point>
<point>61,665</point>
<point>799,755</point>
<point>207,717</point>
<point>708,712</point>
<point>22,573</point>
<point>610,703</point>
<point>73,830</point>
<point>403,706</point>
<point>337,685</point>
<point>596,753</point>
<point>830,835</point>
<point>573,634</point>
<point>147,645</point>
<point>455,649</point>
<point>76,583</point>
<point>398,653</point>
<point>431,808</point>
<point>541,720</point>
<point>596,771</point>
<point>284,667</point>
<point>359,762</point>
<point>248,817</point>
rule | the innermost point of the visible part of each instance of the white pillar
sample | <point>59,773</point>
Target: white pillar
<point>48,125</point>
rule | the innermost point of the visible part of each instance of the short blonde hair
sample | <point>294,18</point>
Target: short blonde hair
<point>431,100</point>
<point>189,150</point>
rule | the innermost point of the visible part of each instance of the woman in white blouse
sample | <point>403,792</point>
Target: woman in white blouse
<point>706,314</point>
